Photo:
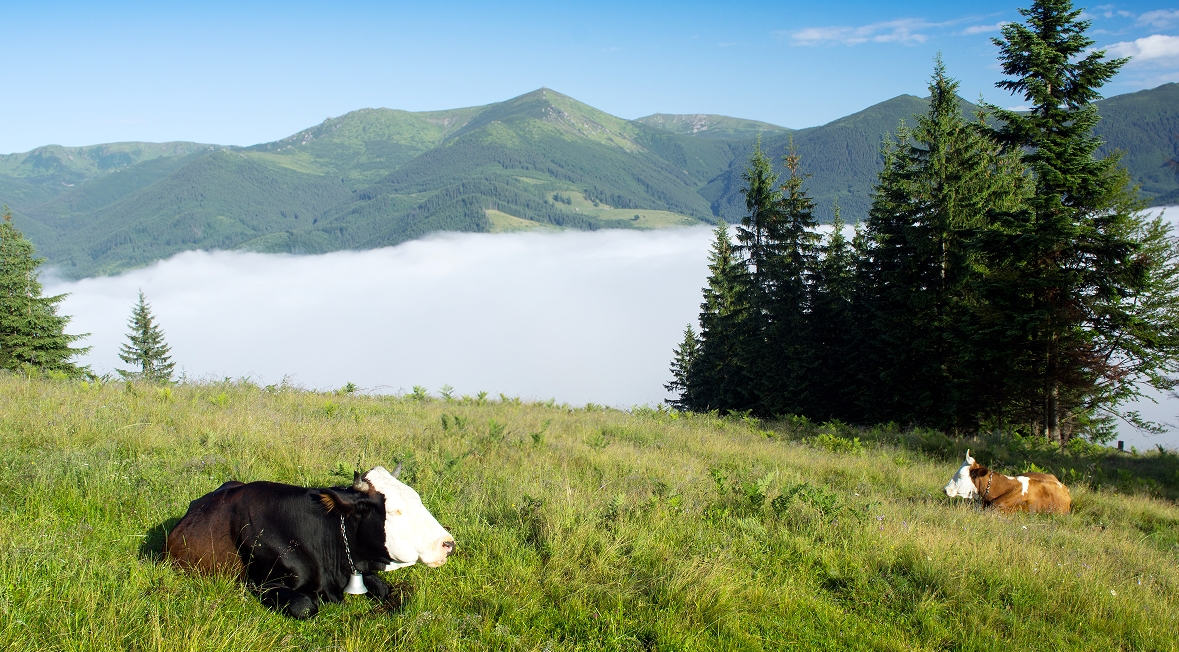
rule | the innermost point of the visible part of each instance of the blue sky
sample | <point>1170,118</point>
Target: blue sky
<point>242,73</point>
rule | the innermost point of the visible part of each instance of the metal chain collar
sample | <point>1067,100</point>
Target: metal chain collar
<point>981,497</point>
<point>347,552</point>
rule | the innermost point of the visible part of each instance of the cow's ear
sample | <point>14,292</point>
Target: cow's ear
<point>335,502</point>
<point>978,472</point>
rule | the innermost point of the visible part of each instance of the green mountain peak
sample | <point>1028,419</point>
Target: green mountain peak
<point>376,177</point>
<point>710,126</point>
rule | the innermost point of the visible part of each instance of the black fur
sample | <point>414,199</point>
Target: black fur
<point>289,542</point>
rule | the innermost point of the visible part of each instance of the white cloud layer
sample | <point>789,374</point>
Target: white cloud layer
<point>1154,49</point>
<point>906,30</point>
<point>576,316</point>
<point>984,29</point>
<point>1160,18</point>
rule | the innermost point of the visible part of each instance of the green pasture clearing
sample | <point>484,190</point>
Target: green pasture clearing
<point>578,528</point>
<point>504,223</point>
<point>647,219</point>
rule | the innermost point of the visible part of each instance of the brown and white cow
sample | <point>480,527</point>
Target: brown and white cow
<point>1026,492</point>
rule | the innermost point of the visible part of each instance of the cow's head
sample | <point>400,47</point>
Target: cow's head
<point>961,484</point>
<point>412,534</point>
<point>363,510</point>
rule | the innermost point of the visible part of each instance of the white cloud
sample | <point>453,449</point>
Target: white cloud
<point>1159,18</point>
<point>983,29</point>
<point>576,316</point>
<point>1157,48</point>
<point>905,31</point>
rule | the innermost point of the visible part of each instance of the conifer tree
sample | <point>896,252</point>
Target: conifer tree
<point>145,347</point>
<point>681,370</point>
<point>720,377</point>
<point>832,328</point>
<point>1077,261</point>
<point>940,182</point>
<point>31,332</point>
<point>792,246</point>
<point>762,203</point>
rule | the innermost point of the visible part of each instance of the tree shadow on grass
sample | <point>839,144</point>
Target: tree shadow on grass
<point>152,547</point>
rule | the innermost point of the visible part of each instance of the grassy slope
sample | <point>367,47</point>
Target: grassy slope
<point>178,213</point>
<point>380,177</point>
<point>704,125</point>
<point>578,529</point>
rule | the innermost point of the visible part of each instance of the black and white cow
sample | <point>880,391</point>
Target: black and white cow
<point>292,544</point>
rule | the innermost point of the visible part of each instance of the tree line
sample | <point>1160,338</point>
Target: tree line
<point>1006,277</point>
<point>32,334</point>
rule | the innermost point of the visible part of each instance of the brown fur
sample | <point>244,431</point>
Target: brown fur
<point>202,541</point>
<point>1045,492</point>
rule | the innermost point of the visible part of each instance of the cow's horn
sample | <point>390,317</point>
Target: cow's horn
<point>359,483</point>
<point>397,470</point>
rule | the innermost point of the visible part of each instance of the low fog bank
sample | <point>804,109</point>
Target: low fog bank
<point>1166,408</point>
<point>580,317</point>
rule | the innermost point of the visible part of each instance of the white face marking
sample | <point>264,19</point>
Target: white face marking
<point>960,484</point>
<point>1024,481</point>
<point>412,534</point>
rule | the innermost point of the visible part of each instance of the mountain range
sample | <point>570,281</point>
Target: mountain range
<point>378,177</point>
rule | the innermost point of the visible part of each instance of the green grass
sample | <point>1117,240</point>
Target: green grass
<point>504,223</point>
<point>578,528</point>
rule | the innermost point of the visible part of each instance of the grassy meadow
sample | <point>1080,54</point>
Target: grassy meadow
<point>578,528</point>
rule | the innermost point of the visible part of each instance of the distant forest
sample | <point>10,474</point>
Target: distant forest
<point>1005,278</point>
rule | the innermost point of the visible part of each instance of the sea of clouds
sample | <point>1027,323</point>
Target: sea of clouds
<point>575,316</point>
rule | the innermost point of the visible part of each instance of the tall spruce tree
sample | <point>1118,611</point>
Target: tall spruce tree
<point>32,334</point>
<point>832,328</point>
<point>145,347</point>
<point>792,249</point>
<point>720,377</point>
<point>940,182</point>
<point>1075,265</point>
<point>762,217</point>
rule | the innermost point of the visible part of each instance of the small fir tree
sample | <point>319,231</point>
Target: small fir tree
<point>681,370</point>
<point>145,347</point>
<point>32,334</point>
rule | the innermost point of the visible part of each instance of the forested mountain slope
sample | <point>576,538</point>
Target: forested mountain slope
<point>1145,126</point>
<point>377,177</point>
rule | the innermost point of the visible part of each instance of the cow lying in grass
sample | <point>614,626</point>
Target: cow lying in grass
<point>1030,492</point>
<point>298,546</point>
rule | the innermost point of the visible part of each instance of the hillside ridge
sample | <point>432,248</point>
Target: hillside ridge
<point>376,176</point>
